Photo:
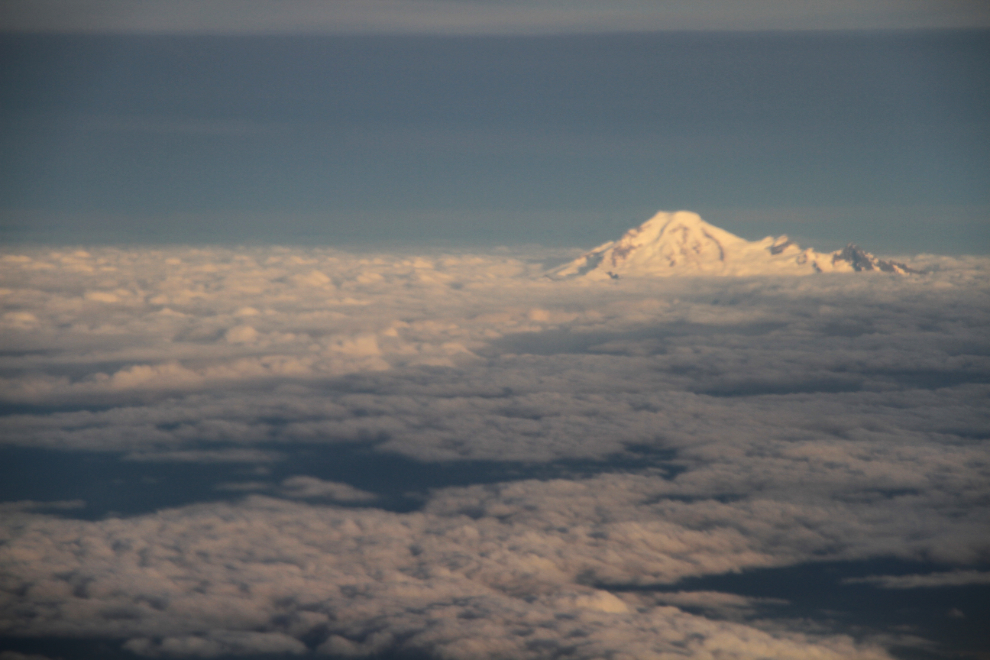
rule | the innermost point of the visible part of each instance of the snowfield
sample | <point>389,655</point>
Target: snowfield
<point>681,243</point>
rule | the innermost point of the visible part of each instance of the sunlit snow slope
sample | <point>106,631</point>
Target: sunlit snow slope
<point>682,243</point>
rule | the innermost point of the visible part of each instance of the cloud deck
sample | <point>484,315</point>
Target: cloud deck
<point>649,432</point>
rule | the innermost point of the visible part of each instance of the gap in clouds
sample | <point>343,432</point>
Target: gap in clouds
<point>113,485</point>
<point>953,616</point>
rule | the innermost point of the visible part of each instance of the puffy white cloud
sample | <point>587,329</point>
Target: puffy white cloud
<point>304,487</point>
<point>683,428</point>
<point>264,574</point>
<point>217,643</point>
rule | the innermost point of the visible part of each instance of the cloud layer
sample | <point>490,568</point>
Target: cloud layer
<point>697,426</point>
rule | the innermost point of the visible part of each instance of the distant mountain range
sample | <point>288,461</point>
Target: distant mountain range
<point>681,243</point>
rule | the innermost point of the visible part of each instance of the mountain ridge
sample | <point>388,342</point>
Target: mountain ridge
<point>681,243</point>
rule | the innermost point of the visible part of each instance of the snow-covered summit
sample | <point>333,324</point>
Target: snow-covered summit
<point>682,243</point>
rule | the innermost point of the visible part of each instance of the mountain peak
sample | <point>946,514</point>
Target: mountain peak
<point>861,260</point>
<point>682,243</point>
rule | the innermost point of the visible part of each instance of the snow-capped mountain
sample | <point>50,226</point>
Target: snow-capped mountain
<point>682,243</point>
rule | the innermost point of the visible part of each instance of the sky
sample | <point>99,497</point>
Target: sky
<point>469,123</point>
<point>477,17</point>
<point>284,372</point>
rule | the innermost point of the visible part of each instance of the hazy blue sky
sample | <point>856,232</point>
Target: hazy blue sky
<point>490,123</point>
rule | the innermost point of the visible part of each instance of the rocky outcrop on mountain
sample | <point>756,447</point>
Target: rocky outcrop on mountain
<point>861,260</point>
